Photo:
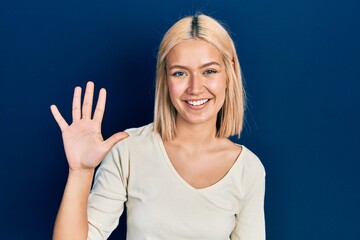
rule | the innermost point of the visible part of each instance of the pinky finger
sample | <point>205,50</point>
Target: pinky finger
<point>58,118</point>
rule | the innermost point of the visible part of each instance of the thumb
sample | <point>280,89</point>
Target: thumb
<point>117,137</point>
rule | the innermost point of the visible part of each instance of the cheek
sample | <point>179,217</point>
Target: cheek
<point>217,86</point>
<point>175,89</point>
<point>172,89</point>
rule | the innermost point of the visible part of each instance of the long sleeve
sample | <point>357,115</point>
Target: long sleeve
<point>107,197</point>
<point>139,173</point>
<point>250,221</point>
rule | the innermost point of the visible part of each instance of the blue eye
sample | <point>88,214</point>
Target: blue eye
<point>178,74</point>
<point>210,71</point>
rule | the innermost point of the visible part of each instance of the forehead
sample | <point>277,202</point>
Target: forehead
<point>194,52</point>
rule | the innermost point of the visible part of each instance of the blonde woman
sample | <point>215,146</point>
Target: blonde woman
<point>180,177</point>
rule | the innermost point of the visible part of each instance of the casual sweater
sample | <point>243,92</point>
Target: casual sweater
<point>162,205</point>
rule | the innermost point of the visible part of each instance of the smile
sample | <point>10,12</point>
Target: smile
<point>197,102</point>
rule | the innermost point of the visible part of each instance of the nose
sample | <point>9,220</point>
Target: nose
<point>196,85</point>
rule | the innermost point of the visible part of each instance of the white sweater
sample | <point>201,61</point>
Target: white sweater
<point>162,205</point>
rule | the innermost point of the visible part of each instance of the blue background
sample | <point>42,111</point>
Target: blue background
<point>300,60</point>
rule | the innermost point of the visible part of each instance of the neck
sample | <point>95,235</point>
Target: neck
<point>195,136</point>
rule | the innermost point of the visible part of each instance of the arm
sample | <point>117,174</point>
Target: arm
<point>71,221</point>
<point>84,148</point>
<point>250,222</point>
<point>109,193</point>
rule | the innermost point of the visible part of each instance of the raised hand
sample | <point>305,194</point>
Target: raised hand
<point>83,141</point>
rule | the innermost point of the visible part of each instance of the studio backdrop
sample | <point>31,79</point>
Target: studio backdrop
<point>300,62</point>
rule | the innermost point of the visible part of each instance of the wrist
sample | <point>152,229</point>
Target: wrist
<point>81,178</point>
<point>81,172</point>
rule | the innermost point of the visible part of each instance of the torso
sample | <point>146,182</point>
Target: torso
<point>160,204</point>
<point>203,168</point>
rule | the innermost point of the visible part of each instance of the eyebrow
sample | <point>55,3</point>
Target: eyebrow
<point>202,66</point>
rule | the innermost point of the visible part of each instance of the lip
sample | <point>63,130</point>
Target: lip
<point>196,107</point>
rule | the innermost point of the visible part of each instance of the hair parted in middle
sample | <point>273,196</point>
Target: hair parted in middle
<point>231,115</point>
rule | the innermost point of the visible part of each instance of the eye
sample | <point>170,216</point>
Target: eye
<point>209,71</point>
<point>178,74</point>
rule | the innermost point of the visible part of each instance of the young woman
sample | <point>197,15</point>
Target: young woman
<point>180,177</point>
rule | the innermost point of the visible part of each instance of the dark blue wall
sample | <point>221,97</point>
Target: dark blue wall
<point>300,60</point>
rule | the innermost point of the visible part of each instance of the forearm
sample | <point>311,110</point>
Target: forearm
<point>71,221</point>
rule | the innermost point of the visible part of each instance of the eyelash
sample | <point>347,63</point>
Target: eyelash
<point>178,74</point>
<point>206,72</point>
<point>210,71</point>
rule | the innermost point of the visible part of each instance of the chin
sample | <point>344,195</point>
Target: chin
<point>199,120</point>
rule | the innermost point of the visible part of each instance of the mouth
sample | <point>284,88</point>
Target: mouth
<point>196,103</point>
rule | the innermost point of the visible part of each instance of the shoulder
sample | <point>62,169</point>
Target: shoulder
<point>139,143</point>
<point>250,172</point>
<point>136,135</point>
<point>251,160</point>
<point>139,138</point>
<point>141,131</point>
<point>251,165</point>
<point>247,161</point>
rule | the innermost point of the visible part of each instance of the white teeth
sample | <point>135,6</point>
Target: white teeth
<point>198,102</point>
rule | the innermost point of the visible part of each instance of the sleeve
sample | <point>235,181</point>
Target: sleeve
<point>250,221</point>
<point>108,195</point>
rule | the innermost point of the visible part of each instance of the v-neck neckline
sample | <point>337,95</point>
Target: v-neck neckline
<point>188,185</point>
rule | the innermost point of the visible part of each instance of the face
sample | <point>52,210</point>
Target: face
<point>196,80</point>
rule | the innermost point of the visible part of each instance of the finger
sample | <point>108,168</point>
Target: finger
<point>100,106</point>
<point>76,105</point>
<point>58,118</point>
<point>88,99</point>
<point>117,137</point>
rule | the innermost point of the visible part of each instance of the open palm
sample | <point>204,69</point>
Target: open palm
<point>83,141</point>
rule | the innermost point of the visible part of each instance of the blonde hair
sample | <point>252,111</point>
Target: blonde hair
<point>231,115</point>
